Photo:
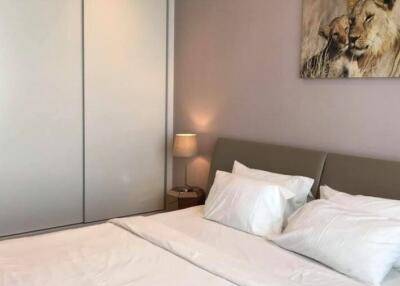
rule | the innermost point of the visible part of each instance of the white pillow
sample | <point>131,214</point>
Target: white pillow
<point>377,206</point>
<point>358,244</point>
<point>300,186</point>
<point>249,205</point>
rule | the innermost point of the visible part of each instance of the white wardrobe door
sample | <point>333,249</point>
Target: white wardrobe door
<point>125,93</point>
<point>40,114</point>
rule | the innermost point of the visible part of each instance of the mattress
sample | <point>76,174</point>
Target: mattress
<point>176,248</point>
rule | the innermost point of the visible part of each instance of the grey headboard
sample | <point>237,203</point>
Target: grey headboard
<point>362,176</point>
<point>274,158</point>
<point>350,174</point>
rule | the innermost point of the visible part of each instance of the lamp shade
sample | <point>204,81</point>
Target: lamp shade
<point>185,145</point>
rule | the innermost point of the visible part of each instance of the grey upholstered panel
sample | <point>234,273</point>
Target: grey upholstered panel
<point>279,159</point>
<point>362,176</point>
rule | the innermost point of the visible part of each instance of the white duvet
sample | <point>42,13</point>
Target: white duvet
<point>178,248</point>
<point>97,255</point>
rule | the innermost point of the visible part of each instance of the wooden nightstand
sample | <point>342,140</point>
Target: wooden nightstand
<point>177,200</point>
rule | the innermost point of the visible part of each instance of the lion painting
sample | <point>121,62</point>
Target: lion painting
<point>350,38</point>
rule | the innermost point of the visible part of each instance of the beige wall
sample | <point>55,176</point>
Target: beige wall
<point>236,75</point>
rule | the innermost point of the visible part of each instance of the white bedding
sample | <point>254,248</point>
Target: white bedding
<point>96,255</point>
<point>254,250</point>
<point>182,249</point>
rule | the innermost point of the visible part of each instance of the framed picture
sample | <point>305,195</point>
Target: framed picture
<point>350,38</point>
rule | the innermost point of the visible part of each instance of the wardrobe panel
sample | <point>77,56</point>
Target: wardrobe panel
<point>125,94</point>
<point>41,181</point>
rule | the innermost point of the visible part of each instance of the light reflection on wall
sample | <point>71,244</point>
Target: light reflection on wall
<point>202,119</point>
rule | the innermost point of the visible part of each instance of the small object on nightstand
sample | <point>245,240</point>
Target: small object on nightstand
<point>185,199</point>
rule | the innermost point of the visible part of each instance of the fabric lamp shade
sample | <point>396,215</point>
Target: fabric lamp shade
<point>185,145</point>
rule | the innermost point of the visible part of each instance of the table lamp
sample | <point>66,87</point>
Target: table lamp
<point>185,146</point>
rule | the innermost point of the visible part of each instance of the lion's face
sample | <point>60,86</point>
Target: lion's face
<point>371,26</point>
<point>337,33</point>
<point>340,33</point>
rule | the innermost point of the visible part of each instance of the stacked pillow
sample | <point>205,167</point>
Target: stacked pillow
<point>255,201</point>
<point>300,186</point>
<point>376,206</point>
<point>356,243</point>
<point>249,205</point>
<point>358,236</point>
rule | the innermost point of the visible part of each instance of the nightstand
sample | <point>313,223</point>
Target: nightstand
<point>177,200</point>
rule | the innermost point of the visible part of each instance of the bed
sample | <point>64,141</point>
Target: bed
<point>183,248</point>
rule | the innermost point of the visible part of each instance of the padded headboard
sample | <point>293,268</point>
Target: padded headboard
<point>362,176</point>
<point>274,158</point>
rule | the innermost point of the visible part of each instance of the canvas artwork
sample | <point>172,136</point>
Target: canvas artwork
<point>350,38</point>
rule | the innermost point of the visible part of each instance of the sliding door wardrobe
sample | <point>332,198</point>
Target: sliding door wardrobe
<point>82,111</point>
<point>125,94</point>
<point>40,114</point>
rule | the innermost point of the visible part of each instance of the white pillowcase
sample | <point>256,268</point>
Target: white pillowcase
<point>300,186</point>
<point>357,244</point>
<point>249,205</point>
<point>377,206</point>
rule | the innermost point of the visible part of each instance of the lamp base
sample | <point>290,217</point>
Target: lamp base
<point>186,189</point>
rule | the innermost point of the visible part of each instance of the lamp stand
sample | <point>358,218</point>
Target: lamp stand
<point>186,187</point>
<point>186,173</point>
